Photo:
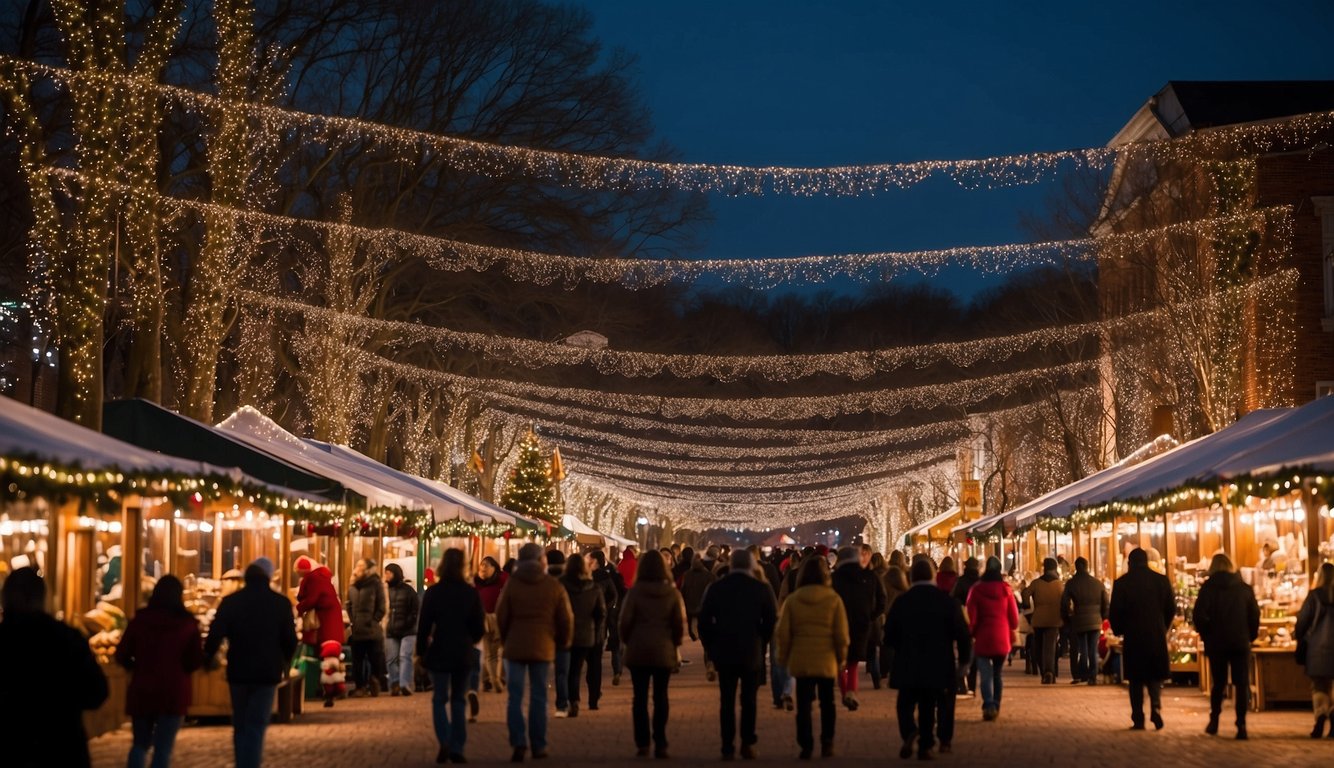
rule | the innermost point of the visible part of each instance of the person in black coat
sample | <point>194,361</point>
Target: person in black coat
<point>924,627</point>
<point>1142,609</point>
<point>400,636</point>
<point>49,678</point>
<point>736,620</point>
<point>259,626</point>
<point>864,601</point>
<point>451,623</point>
<point>1228,620</point>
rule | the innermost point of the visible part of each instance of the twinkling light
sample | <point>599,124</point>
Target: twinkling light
<point>592,172</point>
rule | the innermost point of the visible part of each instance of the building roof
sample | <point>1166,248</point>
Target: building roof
<point>1183,106</point>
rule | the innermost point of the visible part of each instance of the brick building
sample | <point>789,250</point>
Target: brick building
<point>1284,344</point>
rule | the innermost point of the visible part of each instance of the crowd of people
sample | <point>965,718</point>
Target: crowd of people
<point>801,621</point>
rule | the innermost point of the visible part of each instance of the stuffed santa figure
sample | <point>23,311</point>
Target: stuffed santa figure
<point>332,674</point>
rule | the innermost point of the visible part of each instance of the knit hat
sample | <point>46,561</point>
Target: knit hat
<point>993,564</point>
<point>304,564</point>
<point>265,565</point>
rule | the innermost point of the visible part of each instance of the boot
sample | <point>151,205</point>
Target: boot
<point>1319,727</point>
<point>394,690</point>
<point>375,687</point>
<point>328,700</point>
<point>1212,727</point>
<point>1241,732</point>
<point>826,749</point>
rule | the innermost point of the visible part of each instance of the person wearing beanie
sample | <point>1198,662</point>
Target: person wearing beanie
<point>1084,606</point>
<point>534,618</point>
<point>555,567</point>
<point>1142,608</point>
<point>258,625</point>
<point>1044,594</point>
<point>367,605</point>
<point>401,631</point>
<point>321,615</point>
<point>864,601</point>
<point>993,619</point>
<point>608,578</point>
<point>1228,619</point>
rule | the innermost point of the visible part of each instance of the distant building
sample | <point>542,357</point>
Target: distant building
<point>1285,344</point>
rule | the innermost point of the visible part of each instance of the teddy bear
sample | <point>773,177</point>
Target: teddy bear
<point>333,676</point>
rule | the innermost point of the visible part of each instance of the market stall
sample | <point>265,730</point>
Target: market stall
<point>933,536</point>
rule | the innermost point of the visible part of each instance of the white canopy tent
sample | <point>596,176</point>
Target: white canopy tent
<point>580,528</point>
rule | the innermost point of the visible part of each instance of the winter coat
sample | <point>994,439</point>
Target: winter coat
<point>993,617</point>
<point>1315,624</point>
<point>653,623</point>
<point>1226,614</point>
<point>864,601</point>
<point>533,614</point>
<point>772,576</point>
<point>451,623</point>
<point>316,593</point>
<point>946,581</point>
<point>1084,603</point>
<point>694,582</point>
<point>963,585</point>
<point>1141,610</point>
<point>627,567</point>
<point>403,606</point>
<point>366,605</point>
<point>1045,593</point>
<point>260,629</point>
<point>589,610</point>
<point>608,580</point>
<point>50,678</point>
<point>924,627</point>
<point>736,620</point>
<point>489,589</point>
<point>812,634</point>
<point>160,648</point>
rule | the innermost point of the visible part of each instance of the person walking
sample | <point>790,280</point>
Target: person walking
<point>401,631</point>
<point>993,620</point>
<point>1228,620</point>
<point>863,597</point>
<point>736,620</point>
<point>1044,594</point>
<point>321,615</point>
<point>895,581</point>
<point>653,624</point>
<point>590,615</point>
<point>534,618</point>
<point>367,604</point>
<point>48,680</point>
<point>561,672</point>
<point>1315,636</point>
<point>628,567</point>
<point>258,625</point>
<point>812,639</point>
<point>1084,606</point>
<point>451,622</point>
<point>613,592</point>
<point>972,573</point>
<point>489,582</point>
<point>947,577</point>
<point>1141,610</point>
<point>923,627</point>
<point>161,646</point>
<point>694,582</point>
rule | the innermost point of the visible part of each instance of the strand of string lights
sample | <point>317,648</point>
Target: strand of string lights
<point>768,472</point>
<point>885,401</point>
<point>857,364</point>
<point>450,255</point>
<point>596,172</point>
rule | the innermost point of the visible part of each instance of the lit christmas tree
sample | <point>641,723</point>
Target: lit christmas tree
<point>531,491</point>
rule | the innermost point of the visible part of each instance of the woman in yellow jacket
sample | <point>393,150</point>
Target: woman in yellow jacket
<point>812,642</point>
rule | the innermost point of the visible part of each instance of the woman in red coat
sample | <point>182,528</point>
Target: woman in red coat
<point>993,618</point>
<point>316,593</point>
<point>160,647</point>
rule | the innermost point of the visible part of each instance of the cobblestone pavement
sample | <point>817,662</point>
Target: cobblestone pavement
<point>1060,725</point>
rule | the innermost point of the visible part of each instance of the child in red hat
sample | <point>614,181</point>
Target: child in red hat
<point>333,675</point>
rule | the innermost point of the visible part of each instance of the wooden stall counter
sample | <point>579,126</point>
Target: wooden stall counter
<point>111,715</point>
<point>212,698</point>
<point>1279,679</point>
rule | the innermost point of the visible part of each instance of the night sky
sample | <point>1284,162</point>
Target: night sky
<point>760,82</point>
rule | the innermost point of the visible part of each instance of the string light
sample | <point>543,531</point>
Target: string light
<point>592,172</point>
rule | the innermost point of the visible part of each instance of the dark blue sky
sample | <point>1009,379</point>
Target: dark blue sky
<point>759,82</point>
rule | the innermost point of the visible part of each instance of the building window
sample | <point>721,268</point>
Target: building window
<point>1324,388</point>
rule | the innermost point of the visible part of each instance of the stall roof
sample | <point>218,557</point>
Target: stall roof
<point>937,520</point>
<point>1302,438</point>
<point>584,533</point>
<point>149,425</point>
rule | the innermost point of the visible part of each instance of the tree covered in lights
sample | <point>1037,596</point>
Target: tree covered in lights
<point>530,490</point>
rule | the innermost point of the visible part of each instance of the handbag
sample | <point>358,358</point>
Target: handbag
<point>310,622</point>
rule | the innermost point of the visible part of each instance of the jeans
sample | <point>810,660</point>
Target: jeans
<point>1046,648</point>
<point>474,669</point>
<point>155,732</point>
<point>399,651</point>
<point>729,678</point>
<point>1137,698</point>
<point>562,678</point>
<point>1239,663</point>
<point>252,707</point>
<point>807,688</point>
<point>592,657</point>
<point>1084,656</point>
<point>492,649</point>
<point>640,677</point>
<point>778,677</point>
<point>533,674</point>
<point>449,709</point>
<point>989,680</point>
<point>945,703</point>
<point>922,703</point>
<point>367,662</point>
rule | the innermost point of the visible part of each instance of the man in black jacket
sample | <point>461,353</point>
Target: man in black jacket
<point>400,636</point>
<point>864,600</point>
<point>260,629</point>
<point>1141,610</point>
<point>736,619</point>
<point>923,626</point>
<point>1228,619</point>
<point>613,592</point>
<point>451,624</point>
<point>1084,606</point>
